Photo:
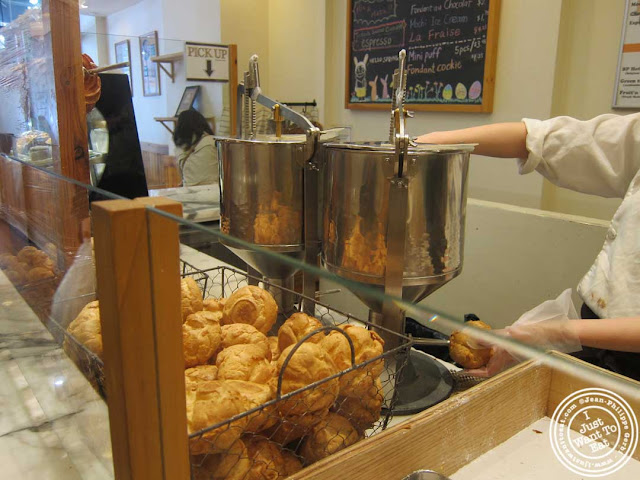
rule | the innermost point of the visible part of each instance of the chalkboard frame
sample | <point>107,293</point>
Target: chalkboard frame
<point>489,81</point>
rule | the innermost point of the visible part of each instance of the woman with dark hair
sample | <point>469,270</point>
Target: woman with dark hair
<point>198,161</point>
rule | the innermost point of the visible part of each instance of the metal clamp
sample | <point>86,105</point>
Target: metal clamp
<point>398,205</point>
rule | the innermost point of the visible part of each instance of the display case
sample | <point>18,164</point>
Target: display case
<point>141,358</point>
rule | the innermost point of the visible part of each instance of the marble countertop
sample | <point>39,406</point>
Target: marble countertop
<point>53,424</point>
<point>200,203</point>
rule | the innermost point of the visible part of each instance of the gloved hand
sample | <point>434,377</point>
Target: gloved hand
<point>546,327</point>
<point>554,334</point>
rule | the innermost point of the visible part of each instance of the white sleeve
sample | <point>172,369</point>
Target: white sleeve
<point>598,156</point>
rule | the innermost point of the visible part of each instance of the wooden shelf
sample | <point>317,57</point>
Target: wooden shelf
<point>108,68</point>
<point>163,120</point>
<point>169,59</point>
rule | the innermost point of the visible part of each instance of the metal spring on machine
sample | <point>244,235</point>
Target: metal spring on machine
<point>246,125</point>
<point>254,121</point>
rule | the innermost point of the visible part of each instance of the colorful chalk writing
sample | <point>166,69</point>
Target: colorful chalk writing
<point>446,43</point>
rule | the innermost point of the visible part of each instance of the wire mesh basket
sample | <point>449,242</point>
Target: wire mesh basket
<point>88,361</point>
<point>39,295</point>
<point>302,421</point>
<point>242,429</point>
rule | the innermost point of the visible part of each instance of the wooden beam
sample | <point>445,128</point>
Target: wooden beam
<point>445,438</point>
<point>70,147</point>
<point>137,272</point>
<point>233,88</point>
<point>164,249</point>
<point>66,50</point>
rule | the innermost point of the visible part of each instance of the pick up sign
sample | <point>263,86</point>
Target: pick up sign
<point>206,62</point>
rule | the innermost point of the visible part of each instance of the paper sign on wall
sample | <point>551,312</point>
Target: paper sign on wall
<point>627,87</point>
<point>206,62</point>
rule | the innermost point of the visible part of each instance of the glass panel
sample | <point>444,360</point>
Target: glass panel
<point>28,121</point>
<point>404,385</point>
<point>46,278</point>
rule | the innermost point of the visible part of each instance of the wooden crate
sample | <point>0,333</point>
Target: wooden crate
<point>452,434</point>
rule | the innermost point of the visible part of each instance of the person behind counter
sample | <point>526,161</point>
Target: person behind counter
<point>601,157</point>
<point>198,161</point>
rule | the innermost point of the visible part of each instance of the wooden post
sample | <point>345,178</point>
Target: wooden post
<point>138,287</point>
<point>164,257</point>
<point>233,88</point>
<point>70,148</point>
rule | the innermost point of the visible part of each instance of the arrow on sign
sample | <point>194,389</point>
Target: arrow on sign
<point>209,70</point>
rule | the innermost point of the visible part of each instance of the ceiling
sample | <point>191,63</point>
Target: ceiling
<point>106,7</point>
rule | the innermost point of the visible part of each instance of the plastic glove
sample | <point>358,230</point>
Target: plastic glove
<point>499,361</point>
<point>546,327</point>
<point>547,335</point>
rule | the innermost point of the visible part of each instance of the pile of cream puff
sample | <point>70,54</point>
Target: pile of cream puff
<point>232,366</point>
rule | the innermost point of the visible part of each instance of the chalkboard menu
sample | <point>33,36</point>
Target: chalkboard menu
<point>451,53</point>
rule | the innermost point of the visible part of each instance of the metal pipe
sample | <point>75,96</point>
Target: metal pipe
<point>430,342</point>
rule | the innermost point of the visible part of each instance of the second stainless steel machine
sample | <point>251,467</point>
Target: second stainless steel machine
<point>394,216</point>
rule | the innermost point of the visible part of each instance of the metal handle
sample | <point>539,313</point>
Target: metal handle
<point>430,342</point>
<point>320,293</point>
<point>400,138</point>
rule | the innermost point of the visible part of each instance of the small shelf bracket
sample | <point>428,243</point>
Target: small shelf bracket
<point>168,59</point>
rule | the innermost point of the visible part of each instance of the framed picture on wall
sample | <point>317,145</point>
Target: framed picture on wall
<point>188,98</point>
<point>123,54</point>
<point>150,70</point>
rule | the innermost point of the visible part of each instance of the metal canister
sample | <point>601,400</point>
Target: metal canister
<point>356,213</point>
<point>261,191</point>
<point>261,202</point>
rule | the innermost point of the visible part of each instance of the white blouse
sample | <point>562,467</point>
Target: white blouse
<point>600,157</point>
<point>199,165</point>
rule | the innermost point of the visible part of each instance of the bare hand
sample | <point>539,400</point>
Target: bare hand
<point>433,137</point>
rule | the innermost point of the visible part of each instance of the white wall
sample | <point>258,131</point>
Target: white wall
<point>200,22</point>
<point>130,23</point>
<point>88,37</point>
<point>245,23</point>
<point>297,51</point>
<point>289,38</point>
<point>176,22</point>
<point>103,44</point>
<point>524,86</point>
<point>93,37</point>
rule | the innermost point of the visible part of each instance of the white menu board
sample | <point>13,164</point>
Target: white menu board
<point>627,87</point>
